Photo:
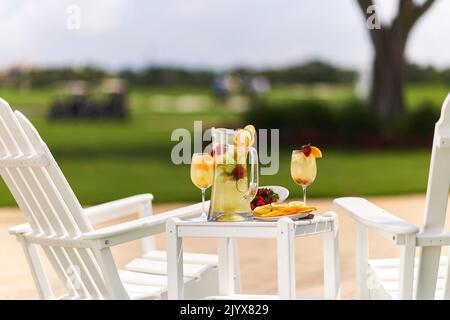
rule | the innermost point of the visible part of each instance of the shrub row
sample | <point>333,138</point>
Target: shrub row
<point>349,123</point>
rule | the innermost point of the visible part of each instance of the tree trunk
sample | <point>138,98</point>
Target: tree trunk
<point>386,97</point>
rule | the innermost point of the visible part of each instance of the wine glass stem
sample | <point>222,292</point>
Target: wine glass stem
<point>203,204</point>
<point>304,194</point>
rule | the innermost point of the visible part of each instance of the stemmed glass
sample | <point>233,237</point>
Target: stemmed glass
<point>202,173</point>
<point>303,170</point>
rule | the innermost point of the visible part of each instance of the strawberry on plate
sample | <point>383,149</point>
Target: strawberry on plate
<point>263,197</point>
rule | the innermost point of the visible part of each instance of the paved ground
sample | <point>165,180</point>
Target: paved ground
<point>258,258</point>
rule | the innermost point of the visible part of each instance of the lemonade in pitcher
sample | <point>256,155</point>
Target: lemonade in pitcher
<point>234,185</point>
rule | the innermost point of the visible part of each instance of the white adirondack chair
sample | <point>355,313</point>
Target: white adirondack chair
<point>79,254</point>
<point>425,277</point>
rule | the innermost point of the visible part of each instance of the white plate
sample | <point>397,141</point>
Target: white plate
<point>282,192</point>
<point>294,216</point>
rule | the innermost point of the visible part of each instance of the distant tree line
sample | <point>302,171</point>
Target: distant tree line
<point>51,76</point>
<point>421,74</point>
<point>311,72</point>
<point>307,73</point>
<point>168,76</point>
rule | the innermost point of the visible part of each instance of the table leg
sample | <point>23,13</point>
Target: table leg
<point>331,263</point>
<point>362,260</point>
<point>226,266</point>
<point>286,259</point>
<point>237,267</point>
<point>175,273</point>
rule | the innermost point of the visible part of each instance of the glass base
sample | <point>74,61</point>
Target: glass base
<point>230,216</point>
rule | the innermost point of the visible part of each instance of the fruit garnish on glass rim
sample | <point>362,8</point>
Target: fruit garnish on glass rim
<point>308,150</point>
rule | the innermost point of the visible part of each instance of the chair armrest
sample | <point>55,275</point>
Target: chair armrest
<point>118,208</point>
<point>375,217</point>
<point>20,229</point>
<point>102,212</point>
<point>144,227</point>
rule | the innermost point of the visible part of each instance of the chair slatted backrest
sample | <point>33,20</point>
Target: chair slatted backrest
<point>435,208</point>
<point>49,204</point>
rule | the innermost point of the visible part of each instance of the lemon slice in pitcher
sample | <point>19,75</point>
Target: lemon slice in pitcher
<point>243,138</point>
<point>250,128</point>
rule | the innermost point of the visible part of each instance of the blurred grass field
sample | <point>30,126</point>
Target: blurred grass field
<point>108,160</point>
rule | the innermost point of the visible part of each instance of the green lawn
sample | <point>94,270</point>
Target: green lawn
<point>434,93</point>
<point>108,160</point>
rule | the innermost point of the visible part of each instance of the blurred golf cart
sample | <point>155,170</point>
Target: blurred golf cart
<point>108,101</point>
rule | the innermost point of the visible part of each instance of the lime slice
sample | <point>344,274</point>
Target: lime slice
<point>241,185</point>
<point>229,168</point>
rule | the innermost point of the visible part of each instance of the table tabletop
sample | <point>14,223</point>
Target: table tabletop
<point>255,229</point>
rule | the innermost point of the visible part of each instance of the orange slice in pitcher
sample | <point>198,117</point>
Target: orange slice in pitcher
<point>243,138</point>
<point>308,150</point>
<point>250,128</point>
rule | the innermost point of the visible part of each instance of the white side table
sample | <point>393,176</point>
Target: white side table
<point>285,230</point>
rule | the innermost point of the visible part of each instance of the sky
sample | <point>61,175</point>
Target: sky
<point>217,34</point>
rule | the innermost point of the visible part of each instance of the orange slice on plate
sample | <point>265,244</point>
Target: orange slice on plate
<point>304,209</point>
<point>263,209</point>
<point>274,213</point>
<point>278,206</point>
<point>288,211</point>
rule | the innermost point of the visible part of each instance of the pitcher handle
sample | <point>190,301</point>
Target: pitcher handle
<point>254,174</point>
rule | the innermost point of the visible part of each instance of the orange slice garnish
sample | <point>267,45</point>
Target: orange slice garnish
<point>316,152</point>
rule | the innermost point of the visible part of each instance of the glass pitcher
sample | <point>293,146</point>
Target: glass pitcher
<point>233,188</point>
